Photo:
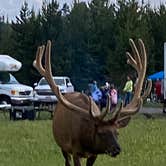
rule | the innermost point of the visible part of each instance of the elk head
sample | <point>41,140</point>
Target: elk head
<point>104,131</point>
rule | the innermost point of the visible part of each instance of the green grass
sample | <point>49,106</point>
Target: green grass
<point>30,143</point>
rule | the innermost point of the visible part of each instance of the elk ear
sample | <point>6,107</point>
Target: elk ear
<point>123,122</point>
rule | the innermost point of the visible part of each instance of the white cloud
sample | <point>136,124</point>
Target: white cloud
<point>11,8</point>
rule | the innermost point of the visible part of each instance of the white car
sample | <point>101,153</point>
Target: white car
<point>43,92</point>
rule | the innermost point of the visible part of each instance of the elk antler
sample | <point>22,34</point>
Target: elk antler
<point>47,73</point>
<point>139,62</point>
<point>104,113</point>
<point>147,90</point>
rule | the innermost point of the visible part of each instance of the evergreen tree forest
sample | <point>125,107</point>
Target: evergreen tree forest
<point>89,40</point>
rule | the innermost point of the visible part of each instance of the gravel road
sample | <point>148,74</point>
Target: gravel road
<point>151,110</point>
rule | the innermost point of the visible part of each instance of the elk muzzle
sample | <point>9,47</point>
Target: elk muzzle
<point>115,151</point>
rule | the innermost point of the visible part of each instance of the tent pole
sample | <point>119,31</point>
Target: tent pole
<point>165,71</point>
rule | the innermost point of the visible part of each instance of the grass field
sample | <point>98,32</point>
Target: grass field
<point>30,143</point>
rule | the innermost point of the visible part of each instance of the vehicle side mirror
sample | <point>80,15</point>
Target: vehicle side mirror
<point>69,84</point>
<point>35,84</point>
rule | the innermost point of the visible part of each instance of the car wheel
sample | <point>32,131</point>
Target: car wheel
<point>5,100</point>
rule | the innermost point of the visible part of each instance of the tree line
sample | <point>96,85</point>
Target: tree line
<point>89,41</point>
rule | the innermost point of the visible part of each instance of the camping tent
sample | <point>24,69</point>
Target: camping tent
<point>158,75</point>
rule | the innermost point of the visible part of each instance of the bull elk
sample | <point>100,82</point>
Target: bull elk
<point>79,127</point>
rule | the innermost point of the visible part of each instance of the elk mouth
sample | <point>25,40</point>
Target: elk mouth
<point>114,153</point>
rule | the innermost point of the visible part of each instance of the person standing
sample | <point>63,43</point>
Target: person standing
<point>96,93</point>
<point>113,96</point>
<point>128,90</point>
<point>105,90</point>
<point>92,87</point>
<point>157,89</point>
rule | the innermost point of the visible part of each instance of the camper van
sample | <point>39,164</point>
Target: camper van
<point>13,95</point>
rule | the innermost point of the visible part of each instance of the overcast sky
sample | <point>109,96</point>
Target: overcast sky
<point>11,8</point>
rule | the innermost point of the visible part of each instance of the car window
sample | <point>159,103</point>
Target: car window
<point>13,80</point>
<point>58,81</point>
<point>7,78</point>
<point>43,82</point>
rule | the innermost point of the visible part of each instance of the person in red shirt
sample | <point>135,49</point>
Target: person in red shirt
<point>157,88</point>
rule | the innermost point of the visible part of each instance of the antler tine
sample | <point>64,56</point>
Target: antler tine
<point>105,112</point>
<point>143,53</point>
<point>37,62</point>
<point>139,62</point>
<point>91,113</point>
<point>142,71</point>
<point>131,61</point>
<point>47,58</point>
<point>135,54</point>
<point>147,90</point>
<point>48,70</point>
<point>116,112</point>
<point>133,109</point>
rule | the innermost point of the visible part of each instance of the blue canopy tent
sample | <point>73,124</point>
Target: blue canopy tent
<point>158,75</point>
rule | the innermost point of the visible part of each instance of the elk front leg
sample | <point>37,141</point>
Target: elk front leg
<point>90,161</point>
<point>76,160</point>
<point>67,158</point>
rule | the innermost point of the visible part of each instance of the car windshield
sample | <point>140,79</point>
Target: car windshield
<point>13,80</point>
<point>58,81</point>
<point>7,78</point>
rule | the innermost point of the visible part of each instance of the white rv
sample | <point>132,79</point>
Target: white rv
<point>12,93</point>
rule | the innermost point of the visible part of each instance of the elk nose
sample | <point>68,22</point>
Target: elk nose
<point>119,148</point>
<point>116,151</point>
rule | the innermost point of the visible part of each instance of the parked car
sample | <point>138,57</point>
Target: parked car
<point>43,94</point>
